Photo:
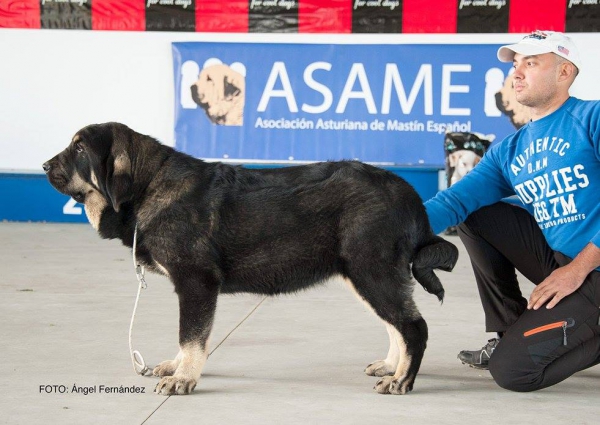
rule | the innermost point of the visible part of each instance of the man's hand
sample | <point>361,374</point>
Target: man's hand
<point>566,279</point>
<point>559,284</point>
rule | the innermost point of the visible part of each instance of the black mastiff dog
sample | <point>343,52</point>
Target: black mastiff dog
<point>215,228</point>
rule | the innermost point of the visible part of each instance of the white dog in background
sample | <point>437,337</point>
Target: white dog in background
<point>462,161</point>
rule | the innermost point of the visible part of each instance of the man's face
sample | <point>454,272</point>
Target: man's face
<point>535,78</point>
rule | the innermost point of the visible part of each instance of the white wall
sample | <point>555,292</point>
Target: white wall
<point>53,82</point>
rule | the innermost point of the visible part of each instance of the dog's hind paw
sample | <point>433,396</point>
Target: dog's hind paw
<point>380,368</point>
<point>389,385</point>
<point>172,385</point>
<point>166,368</point>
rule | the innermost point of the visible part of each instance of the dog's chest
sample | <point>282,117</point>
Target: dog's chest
<point>144,258</point>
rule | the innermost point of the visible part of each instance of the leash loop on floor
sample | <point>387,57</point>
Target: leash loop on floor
<point>139,365</point>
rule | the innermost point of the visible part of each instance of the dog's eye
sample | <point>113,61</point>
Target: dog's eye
<point>78,148</point>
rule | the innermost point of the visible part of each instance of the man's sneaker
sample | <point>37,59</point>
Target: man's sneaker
<point>479,359</point>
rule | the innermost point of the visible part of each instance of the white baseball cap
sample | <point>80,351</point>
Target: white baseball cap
<point>540,42</point>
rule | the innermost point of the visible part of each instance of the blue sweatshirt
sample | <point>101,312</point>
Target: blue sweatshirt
<point>552,165</point>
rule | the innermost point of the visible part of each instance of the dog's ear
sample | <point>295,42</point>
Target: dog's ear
<point>119,180</point>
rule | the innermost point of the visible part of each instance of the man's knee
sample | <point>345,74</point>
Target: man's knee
<point>511,375</point>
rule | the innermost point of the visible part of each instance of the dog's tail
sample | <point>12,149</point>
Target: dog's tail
<point>436,254</point>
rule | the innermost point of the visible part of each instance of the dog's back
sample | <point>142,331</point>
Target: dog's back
<point>298,223</point>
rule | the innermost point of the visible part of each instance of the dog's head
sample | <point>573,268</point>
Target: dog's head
<point>95,169</point>
<point>220,91</point>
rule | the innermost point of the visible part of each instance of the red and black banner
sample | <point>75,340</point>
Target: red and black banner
<point>482,16</point>
<point>56,14</point>
<point>377,16</point>
<point>305,16</point>
<point>170,15</point>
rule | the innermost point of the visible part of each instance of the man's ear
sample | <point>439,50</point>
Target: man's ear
<point>567,71</point>
<point>119,181</point>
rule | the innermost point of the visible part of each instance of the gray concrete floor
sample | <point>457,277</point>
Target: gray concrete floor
<point>66,298</point>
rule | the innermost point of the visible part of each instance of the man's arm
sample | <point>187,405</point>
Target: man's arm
<point>484,185</point>
<point>566,279</point>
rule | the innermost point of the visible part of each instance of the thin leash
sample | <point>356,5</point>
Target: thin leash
<point>139,365</point>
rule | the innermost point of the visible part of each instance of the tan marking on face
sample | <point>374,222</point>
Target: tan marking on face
<point>94,179</point>
<point>77,184</point>
<point>76,138</point>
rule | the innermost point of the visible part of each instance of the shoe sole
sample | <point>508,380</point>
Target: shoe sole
<point>474,366</point>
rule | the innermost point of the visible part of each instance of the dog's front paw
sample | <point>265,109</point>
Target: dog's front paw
<point>380,368</point>
<point>403,386</point>
<point>166,368</point>
<point>383,385</point>
<point>389,385</point>
<point>171,385</point>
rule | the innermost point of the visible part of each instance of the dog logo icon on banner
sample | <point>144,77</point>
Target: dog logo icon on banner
<point>219,89</point>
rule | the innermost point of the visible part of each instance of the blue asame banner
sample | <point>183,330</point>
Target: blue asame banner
<point>387,104</point>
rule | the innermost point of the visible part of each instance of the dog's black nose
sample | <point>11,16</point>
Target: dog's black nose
<point>46,166</point>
